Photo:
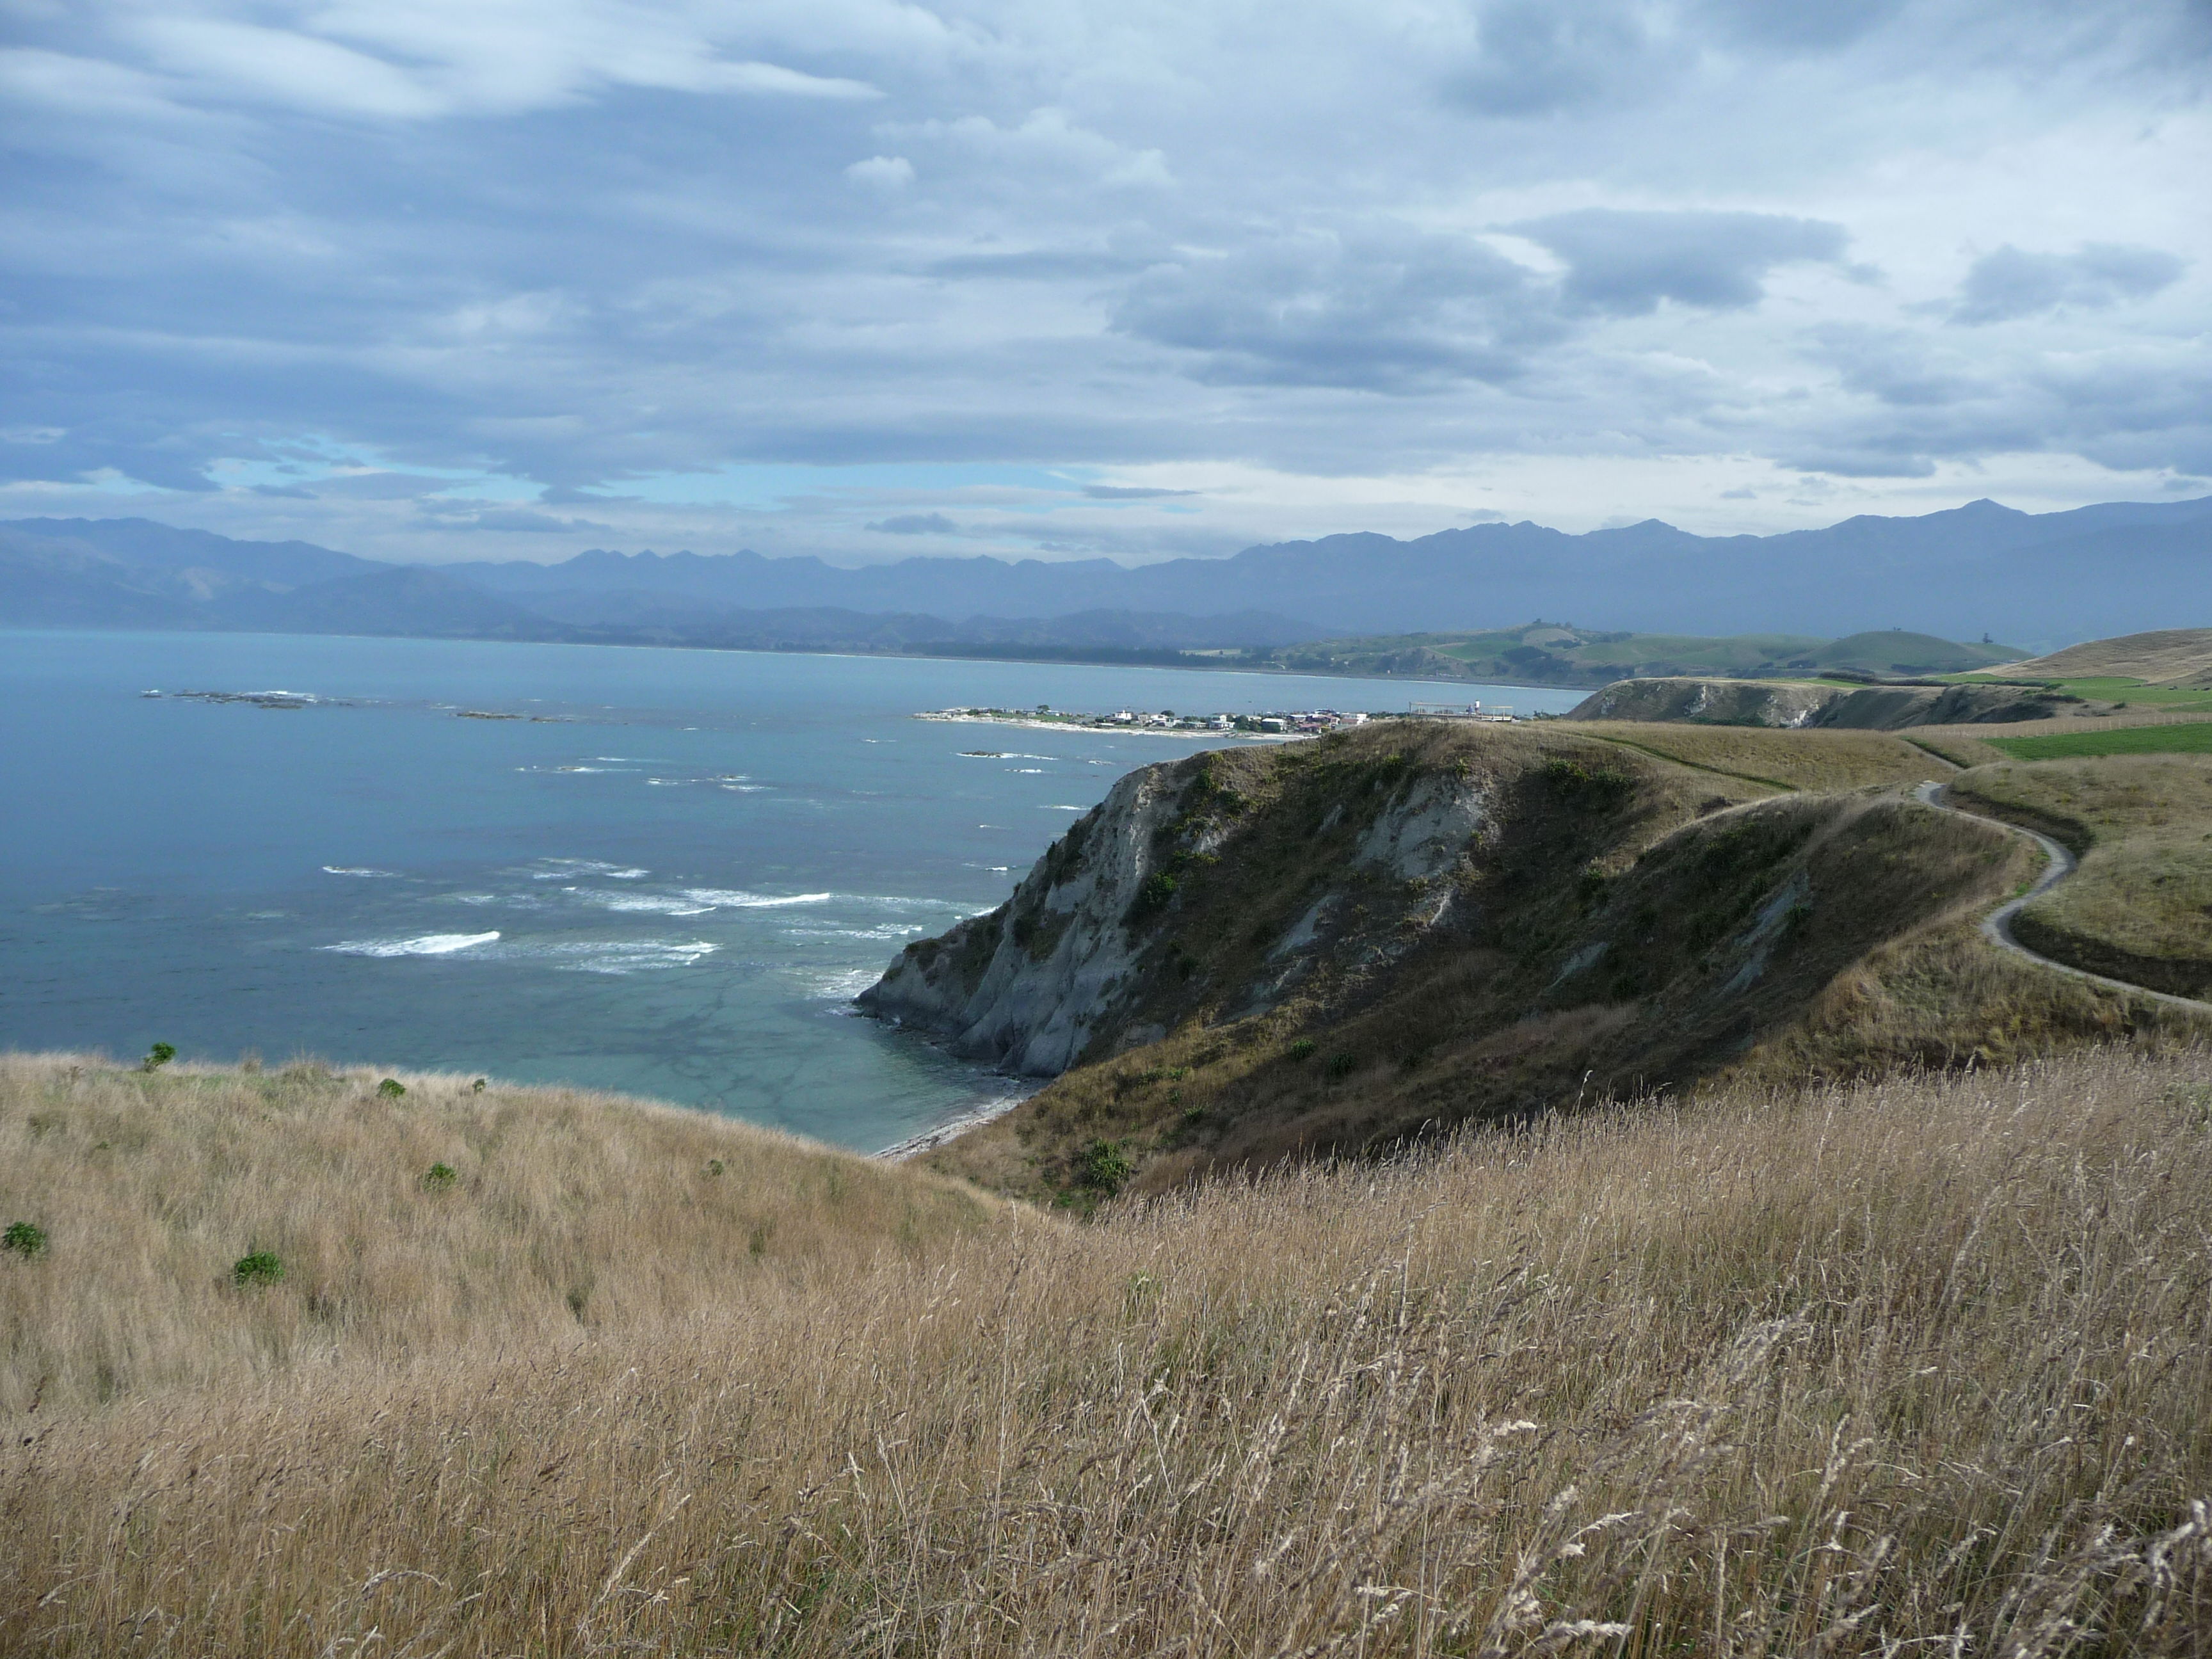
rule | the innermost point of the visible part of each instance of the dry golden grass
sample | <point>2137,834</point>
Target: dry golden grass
<point>1821,760</point>
<point>2170,656</point>
<point>2139,907</point>
<point>1918,1366</point>
<point>568,1212</point>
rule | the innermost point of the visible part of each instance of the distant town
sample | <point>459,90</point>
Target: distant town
<point>1274,723</point>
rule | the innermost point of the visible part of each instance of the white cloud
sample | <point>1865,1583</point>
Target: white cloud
<point>279,66</point>
<point>883,172</point>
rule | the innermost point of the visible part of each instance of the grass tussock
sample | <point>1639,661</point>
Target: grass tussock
<point>2139,907</point>
<point>1924,1364</point>
<point>382,1224</point>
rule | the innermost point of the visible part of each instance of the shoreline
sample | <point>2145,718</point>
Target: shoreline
<point>928,1140</point>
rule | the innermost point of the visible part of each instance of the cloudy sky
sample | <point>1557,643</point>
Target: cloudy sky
<point>446,279</point>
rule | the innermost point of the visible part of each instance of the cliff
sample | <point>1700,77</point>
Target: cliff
<point>1075,964</point>
<point>1328,948</point>
<point>1797,706</point>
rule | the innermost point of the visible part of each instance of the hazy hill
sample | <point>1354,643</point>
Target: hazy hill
<point>2172,656</point>
<point>1982,568</point>
<point>1543,654</point>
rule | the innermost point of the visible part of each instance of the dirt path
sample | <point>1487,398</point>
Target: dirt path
<point>1997,926</point>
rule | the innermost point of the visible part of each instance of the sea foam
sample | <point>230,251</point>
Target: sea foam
<point>426,944</point>
<point>728,898</point>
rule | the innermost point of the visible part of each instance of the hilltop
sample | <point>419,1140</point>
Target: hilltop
<point>445,1218</point>
<point>2175,656</point>
<point>2118,684</point>
<point>1549,653</point>
<point>1339,946</point>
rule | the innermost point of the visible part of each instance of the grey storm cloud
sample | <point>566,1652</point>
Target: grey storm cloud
<point>1626,263</point>
<point>332,268</point>
<point>2010,284</point>
<point>1377,314</point>
<point>1536,57</point>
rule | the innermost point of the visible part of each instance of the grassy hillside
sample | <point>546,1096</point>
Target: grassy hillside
<point>1920,1366</point>
<point>2139,907</point>
<point>2177,738</point>
<point>1546,653</point>
<point>1656,904</point>
<point>558,1213</point>
<point>2169,657</point>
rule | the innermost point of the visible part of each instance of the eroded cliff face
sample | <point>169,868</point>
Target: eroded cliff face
<point>1163,899</point>
<point>1791,706</point>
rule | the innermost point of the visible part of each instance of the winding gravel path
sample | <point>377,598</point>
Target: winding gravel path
<point>1997,926</point>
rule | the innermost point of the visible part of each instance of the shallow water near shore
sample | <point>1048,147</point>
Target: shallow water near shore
<point>660,871</point>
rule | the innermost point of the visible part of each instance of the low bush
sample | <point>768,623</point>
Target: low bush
<point>258,1268</point>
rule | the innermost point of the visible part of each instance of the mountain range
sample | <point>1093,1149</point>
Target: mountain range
<point>1979,570</point>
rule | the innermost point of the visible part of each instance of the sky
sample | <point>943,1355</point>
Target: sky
<point>441,280</point>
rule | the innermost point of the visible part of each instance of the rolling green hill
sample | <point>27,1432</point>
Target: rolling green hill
<point>1548,653</point>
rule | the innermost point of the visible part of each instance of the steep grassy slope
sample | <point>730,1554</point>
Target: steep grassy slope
<point>1334,946</point>
<point>2172,656</point>
<point>1921,1367</point>
<point>559,1213</point>
<point>2139,907</point>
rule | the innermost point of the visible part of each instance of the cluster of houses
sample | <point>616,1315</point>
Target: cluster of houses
<point>1311,722</point>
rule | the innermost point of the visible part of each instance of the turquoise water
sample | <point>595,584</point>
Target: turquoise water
<point>669,879</point>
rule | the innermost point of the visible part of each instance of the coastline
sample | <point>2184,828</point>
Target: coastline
<point>930,1140</point>
<point>1035,725</point>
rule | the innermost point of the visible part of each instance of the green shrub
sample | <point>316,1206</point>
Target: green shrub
<point>1159,887</point>
<point>392,1088</point>
<point>477,1087</point>
<point>1343,1065</point>
<point>260,1267</point>
<point>1104,1166</point>
<point>24,1238</point>
<point>158,1056</point>
<point>440,1177</point>
<point>1302,1049</point>
<point>1591,888</point>
<point>715,1166</point>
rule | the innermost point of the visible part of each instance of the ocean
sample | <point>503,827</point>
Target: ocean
<point>668,877</point>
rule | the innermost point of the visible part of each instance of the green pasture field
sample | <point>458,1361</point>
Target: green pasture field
<point>2192,740</point>
<point>2116,689</point>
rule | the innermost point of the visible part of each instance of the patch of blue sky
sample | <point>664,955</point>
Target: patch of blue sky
<point>317,458</point>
